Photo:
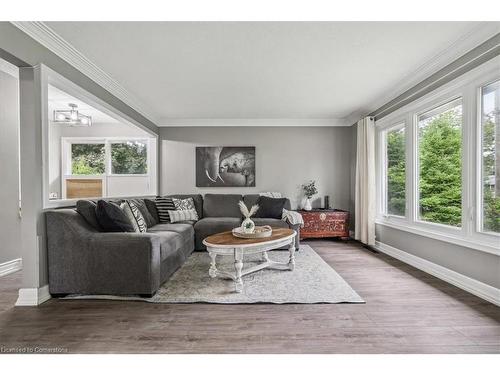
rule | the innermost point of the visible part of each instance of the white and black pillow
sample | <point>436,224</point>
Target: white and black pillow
<point>184,205</point>
<point>163,205</point>
<point>137,217</point>
<point>182,215</point>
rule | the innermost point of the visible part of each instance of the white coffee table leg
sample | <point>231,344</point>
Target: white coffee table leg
<point>213,268</point>
<point>238,266</point>
<point>291,259</point>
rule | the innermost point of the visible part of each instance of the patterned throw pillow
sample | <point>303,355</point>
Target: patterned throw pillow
<point>135,216</point>
<point>182,215</point>
<point>185,204</point>
<point>163,205</point>
<point>138,216</point>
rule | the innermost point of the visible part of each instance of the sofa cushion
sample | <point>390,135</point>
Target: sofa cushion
<point>185,230</point>
<point>197,199</point>
<point>111,217</point>
<point>221,205</point>
<point>276,223</point>
<point>211,225</point>
<point>270,207</point>
<point>170,243</point>
<point>87,210</point>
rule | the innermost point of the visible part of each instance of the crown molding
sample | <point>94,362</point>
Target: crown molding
<point>463,44</point>
<point>254,122</point>
<point>48,38</point>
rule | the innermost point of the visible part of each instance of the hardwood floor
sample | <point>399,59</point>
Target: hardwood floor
<point>406,311</point>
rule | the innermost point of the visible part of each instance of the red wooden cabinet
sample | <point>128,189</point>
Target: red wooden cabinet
<point>325,223</point>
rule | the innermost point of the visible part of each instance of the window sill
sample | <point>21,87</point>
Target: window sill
<point>475,244</point>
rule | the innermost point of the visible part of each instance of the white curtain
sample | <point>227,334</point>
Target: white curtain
<point>365,182</point>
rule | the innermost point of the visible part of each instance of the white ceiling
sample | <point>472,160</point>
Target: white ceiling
<point>58,99</point>
<point>262,70</point>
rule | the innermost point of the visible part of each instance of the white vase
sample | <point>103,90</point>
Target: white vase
<point>307,205</point>
<point>248,226</point>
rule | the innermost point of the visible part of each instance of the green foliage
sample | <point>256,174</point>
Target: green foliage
<point>129,158</point>
<point>491,202</point>
<point>440,161</point>
<point>310,189</point>
<point>396,177</point>
<point>87,159</point>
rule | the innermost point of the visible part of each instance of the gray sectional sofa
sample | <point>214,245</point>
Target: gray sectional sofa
<point>84,260</point>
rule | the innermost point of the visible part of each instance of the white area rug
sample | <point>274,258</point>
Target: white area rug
<point>312,281</point>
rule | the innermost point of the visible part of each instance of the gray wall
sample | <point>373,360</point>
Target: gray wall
<point>475,264</point>
<point>10,228</point>
<point>286,157</point>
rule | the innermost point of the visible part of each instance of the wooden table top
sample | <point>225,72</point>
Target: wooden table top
<point>227,238</point>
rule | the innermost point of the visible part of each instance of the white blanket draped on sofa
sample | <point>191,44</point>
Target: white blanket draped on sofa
<point>365,182</point>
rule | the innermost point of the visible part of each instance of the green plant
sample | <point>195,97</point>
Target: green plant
<point>310,189</point>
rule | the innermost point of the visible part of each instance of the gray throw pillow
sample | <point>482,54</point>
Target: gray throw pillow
<point>87,210</point>
<point>111,217</point>
<point>151,206</point>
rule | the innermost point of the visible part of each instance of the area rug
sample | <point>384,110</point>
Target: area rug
<point>312,281</point>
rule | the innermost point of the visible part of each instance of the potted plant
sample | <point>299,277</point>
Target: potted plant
<point>309,191</point>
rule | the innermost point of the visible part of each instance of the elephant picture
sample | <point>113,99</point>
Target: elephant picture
<point>225,166</point>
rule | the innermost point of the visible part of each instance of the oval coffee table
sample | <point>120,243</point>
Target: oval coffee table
<point>226,244</point>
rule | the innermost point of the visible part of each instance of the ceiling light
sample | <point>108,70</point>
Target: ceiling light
<point>71,117</point>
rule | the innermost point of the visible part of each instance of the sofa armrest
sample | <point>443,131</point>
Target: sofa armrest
<point>89,262</point>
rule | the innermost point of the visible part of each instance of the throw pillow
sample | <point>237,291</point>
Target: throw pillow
<point>87,210</point>
<point>271,208</point>
<point>153,211</point>
<point>163,205</point>
<point>111,217</point>
<point>141,205</point>
<point>182,215</point>
<point>185,204</point>
<point>135,216</point>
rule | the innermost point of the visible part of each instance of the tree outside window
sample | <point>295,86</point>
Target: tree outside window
<point>129,158</point>
<point>490,124</point>
<point>87,158</point>
<point>396,172</point>
<point>440,165</point>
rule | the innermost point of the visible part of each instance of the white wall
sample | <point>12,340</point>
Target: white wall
<point>286,157</point>
<point>117,186</point>
<point>10,227</point>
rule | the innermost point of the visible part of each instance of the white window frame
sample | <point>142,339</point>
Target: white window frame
<point>382,203</point>
<point>468,87</point>
<point>66,161</point>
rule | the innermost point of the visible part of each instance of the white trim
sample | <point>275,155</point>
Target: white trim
<point>458,48</point>
<point>33,296</point>
<point>48,38</point>
<point>491,248</point>
<point>478,288</point>
<point>187,122</point>
<point>11,266</point>
<point>9,68</point>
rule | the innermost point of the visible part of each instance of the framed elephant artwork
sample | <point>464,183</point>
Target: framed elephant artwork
<point>225,166</point>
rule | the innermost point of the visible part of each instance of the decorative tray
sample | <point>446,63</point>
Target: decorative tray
<point>259,232</point>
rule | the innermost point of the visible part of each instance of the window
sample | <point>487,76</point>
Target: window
<point>490,158</point>
<point>395,177</point>
<point>87,158</point>
<point>129,157</point>
<point>440,164</point>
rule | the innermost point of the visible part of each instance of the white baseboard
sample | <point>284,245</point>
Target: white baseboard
<point>11,266</point>
<point>33,296</point>
<point>478,288</point>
